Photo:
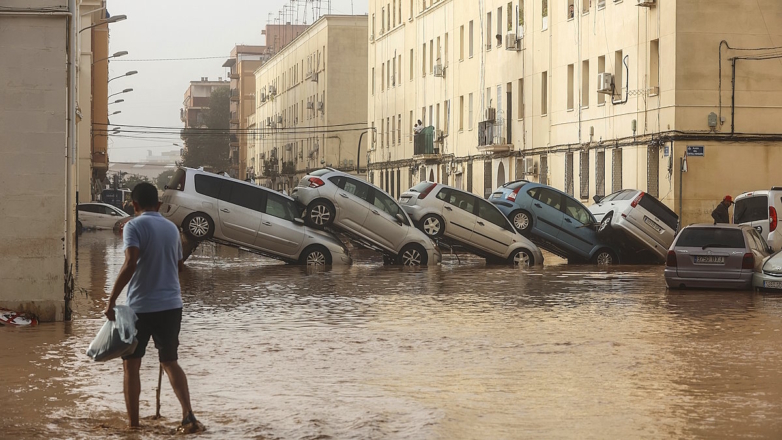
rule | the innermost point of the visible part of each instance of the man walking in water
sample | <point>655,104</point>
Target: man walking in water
<point>153,260</point>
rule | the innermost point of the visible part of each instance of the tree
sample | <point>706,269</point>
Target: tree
<point>163,178</point>
<point>209,147</point>
<point>130,181</point>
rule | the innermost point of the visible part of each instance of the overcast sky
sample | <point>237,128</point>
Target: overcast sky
<point>182,29</point>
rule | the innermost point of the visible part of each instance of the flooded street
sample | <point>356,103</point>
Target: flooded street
<point>458,351</point>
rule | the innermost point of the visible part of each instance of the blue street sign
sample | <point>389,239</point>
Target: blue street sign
<point>666,151</point>
<point>695,150</point>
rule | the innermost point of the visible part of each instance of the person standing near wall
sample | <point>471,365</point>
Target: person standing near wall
<point>720,213</point>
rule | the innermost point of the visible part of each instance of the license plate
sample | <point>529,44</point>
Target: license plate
<point>404,199</point>
<point>496,195</point>
<point>654,225</point>
<point>709,259</point>
<point>772,284</point>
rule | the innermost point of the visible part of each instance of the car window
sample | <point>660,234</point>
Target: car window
<point>550,197</point>
<point>534,192</point>
<point>489,212</point>
<point>246,196</point>
<point>358,189</point>
<point>462,200</point>
<point>338,180</point>
<point>280,207</point>
<point>444,194</point>
<point>662,212</point>
<point>177,181</point>
<point>107,210</point>
<point>577,212</point>
<point>385,203</point>
<point>713,237</point>
<point>750,209</point>
<point>208,185</point>
<point>88,208</point>
<point>614,196</point>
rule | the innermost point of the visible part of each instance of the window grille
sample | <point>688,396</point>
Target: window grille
<point>584,174</point>
<point>616,171</point>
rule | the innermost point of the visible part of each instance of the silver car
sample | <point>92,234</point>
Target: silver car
<point>645,221</point>
<point>365,212</point>
<point>96,215</point>
<point>770,275</point>
<point>211,206</point>
<point>715,256</point>
<point>443,211</point>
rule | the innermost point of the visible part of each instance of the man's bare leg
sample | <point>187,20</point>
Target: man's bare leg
<point>132,388</point>
<point>179,383</point>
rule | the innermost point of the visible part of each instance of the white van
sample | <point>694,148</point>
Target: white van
<point>760,209</point>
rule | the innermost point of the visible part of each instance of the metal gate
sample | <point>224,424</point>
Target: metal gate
<point>487,187</point>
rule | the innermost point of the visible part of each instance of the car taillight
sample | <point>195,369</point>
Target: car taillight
<point>772,219</point>
<point>512,196</point>
<point>748,262</point>
<point>426,192</point>
<point>637,199</point>
<point>670,261</point>
<point>315,182</point>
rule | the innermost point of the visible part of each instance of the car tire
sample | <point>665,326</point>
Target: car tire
<point>521,258</point>
<point>522,221</point>
<point>315,256</point>
<point>320,214</point>
<point>433,225</point>
<point>198,226</point>
<point>79,227</point>
<point>412,255</point>
<point>605,225</point>
<point>605,257</point>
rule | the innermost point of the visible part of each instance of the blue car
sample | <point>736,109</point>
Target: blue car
<point>555,220</point>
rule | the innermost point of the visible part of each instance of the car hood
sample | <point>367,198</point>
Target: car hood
<point>773,264</point>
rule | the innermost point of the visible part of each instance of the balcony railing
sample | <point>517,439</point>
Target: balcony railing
<point>423,143</point>
<point>492,137</point>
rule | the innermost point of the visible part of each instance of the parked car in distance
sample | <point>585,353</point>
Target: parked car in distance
<point>637,221</point>
<point>477,225</point>
<point>335,199</point>
<point>96,215</point>
<point>715,256</point>
<point>555,221</point>
<point>211,206</point>
<point>770,275</point>
<point>761,209</point>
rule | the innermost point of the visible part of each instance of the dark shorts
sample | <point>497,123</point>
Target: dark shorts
<point>163,327</point>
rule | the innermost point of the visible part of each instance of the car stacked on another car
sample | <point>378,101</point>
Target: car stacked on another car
<point>554,220</point>
<point>211,206</point>
<point>443,211</point>
<point>761,209</point>
<point>335,199</point>
<point>715,256</point>
<point>636,222</point>
<point>96,215</point>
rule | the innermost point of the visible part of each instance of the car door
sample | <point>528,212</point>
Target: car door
<point>88,215</point>
<point>109,217</point>
<point>278,233</point>
<point>382,225</point>
<point>546,207</point>
<point>239,208</point>
<point>352,202</point>
<point>491,232</point>
<point>458,213</point>
<point>578,233</point>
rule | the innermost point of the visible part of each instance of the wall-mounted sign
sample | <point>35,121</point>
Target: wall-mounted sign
<point>695,150</point>
<point>666,151</point>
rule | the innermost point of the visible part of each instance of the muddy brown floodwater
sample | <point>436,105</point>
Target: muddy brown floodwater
<point>457,351</point>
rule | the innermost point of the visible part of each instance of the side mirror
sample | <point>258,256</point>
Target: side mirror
<point>597,198</point>
<point>298,221</point>
<point>401,219</point>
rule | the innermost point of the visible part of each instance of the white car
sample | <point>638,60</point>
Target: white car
<point>96,215</point>
<point>223,209</point>
<point>474,223</point>
<point>760,209</point>
<point>335,199</point>
<point>639,217</point>
<point>770,275</point>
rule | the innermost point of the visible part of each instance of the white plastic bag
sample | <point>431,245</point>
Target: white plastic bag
<point>116,338</point>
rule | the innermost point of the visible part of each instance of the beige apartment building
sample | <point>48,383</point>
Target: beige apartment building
<point>310,103</point>
<point>589,96</point>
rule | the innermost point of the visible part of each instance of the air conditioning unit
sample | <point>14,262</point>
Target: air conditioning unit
<point>605,83</point>
<point>320,106</point>
<point>491,114</point>
<point>530,167</point>
<point>279,119</point>
<point>272,90</point>
<point>314,77</point>
<point>263,97</point>
<point>513,43</point>
<point>646,3</point>
<point>439,71</point>
<point>310,105</point>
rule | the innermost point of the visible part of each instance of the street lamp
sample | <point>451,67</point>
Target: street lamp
<point>116,112</point>
<point>113,19</point>
<point>121,53</point>
<point>124,91</point>
<point>132,72</point>
<point>117,101</point>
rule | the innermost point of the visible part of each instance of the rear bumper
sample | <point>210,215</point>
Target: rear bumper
<point>673,281</point>
<point>759,281</point>
<point>304,195</point>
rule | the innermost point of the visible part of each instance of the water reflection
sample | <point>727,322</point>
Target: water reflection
<point>458,351</point>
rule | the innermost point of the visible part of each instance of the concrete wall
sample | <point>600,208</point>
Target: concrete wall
<point>33,111</point>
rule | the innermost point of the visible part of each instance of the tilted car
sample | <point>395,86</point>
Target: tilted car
<point>715,256</point>
<point>477,225</point>
<point>554,220</point>
<point>770,275</point>
<point>335,199</point>
<point>96,215</point>
<point>760,209</point>
<point>636,221</point>
<point>211,206</point>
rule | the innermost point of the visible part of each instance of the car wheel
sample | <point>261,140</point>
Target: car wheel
<point>412,255</point>
<point>605,224</point>
<point>79,227</point>
<point>320,214</point>
<point>522,221</point>
<point>521,258</point>
<point>316,256</point>
<point>198,226</point>
<point>432,225</point>
<point>604,257</point>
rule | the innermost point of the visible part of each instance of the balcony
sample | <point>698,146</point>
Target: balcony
<point>234,94</point>
<point>491,137</point>
<point>233,140</point>
<point>424,146</point>
<point>234,118</point>
<point>234,75</point>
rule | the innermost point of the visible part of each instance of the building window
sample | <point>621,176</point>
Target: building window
<point>544,13</point>
<point>469,176</point>
<point>382,77</point>
<point>570,87</point>
<point>439,53</point>
<point>600,173</point>
<point>398,178</point>
<point>423,115</point>
<point>654,66</point>
<point>569,173</point>
<point>399,70</point>
<point>392,83</point>
<point>383,21</point>
<point>585,6</point>
<point>447,110</point>
<point>400,12</point>
<point>399,128</point>
<point>601,68</point>
<point>393,15</point>
<point>543,172</point>
<point>412,62</point>
<point>521,99</point>
<point>431,56</point>
<point>410,126</point>
<point>471,38</point>
<point>618,73</point>
<point>653,170</point>
<point>544,93</point>
<point>388,132</point>
<point>488,31</point>
<point>411,9</point>
<point>509,20</point>
<point>391,187</point>
<point>446,49</point>
<point>616,170</point>
<point>499,26</point>
<point>437,126</point>
<point>584,174</point>
<point>585,83</point>
<point>487,180</point>
<point>373,27</point>
<point>423,60</point>
<point>382,139</point>
<point>571,9</point>
<point>461,113</point>
<point>469,112</point>
<point>461,42</point>
<point>393,131</point>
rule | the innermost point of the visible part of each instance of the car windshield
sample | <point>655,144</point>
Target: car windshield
<point>711,238</point>
<point>420,187</point>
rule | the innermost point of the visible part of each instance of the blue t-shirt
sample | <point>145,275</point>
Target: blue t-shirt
<point>154,286</point>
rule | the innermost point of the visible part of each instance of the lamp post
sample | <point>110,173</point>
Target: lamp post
<point>130,73</point>
<point>113,19</point>
<point>116,113</point>
<point>118,93</point>
<point>115,55</point>
<point>117,101</point>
